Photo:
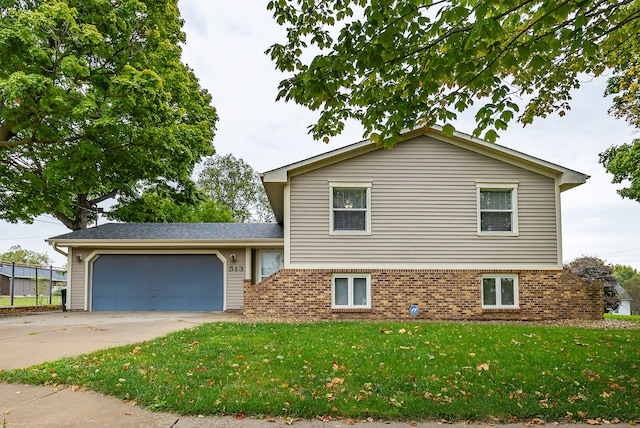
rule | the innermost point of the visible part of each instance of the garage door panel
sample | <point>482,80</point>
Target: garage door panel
<point>157,282</point>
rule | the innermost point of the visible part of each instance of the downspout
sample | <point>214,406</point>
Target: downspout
<point>55,247</point>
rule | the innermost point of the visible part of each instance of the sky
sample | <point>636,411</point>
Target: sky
<point>225,47</point>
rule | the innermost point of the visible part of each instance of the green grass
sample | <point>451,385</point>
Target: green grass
<point>630,318</point>
<point>398,371</point>
<point>5,301</point>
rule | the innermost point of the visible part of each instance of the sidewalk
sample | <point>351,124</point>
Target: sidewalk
<point>34,407</point>
<point>29,406</point>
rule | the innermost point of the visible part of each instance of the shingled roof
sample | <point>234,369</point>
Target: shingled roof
<point>176,231</point>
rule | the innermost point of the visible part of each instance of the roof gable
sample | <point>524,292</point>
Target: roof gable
<point>275,180</point>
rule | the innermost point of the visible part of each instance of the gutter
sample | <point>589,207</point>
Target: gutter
<point>57,249</point>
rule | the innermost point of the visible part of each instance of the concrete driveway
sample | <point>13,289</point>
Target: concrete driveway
<point>36,338</point>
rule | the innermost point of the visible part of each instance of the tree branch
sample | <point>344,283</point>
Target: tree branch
<point>102,198</point>
<point>5,144</point>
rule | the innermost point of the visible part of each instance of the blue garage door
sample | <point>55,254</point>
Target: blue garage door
<point>157,282</point>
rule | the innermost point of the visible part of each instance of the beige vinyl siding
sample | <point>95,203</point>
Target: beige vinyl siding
<point>423,210</point>
<point>76,277</point>
<point>234,286</point>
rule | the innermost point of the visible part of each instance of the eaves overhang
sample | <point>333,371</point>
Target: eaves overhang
<point>153,243</point>
<point>275,180</point>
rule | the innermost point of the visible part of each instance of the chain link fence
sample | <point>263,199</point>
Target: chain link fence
<point>25,285</point>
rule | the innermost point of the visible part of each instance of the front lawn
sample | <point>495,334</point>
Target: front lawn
<point>390,370</point>
<point>630,318</point>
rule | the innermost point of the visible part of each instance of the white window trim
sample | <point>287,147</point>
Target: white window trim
<point>352,184</point>
<point>350,277</point>
<point>260,252</point>
<point>499,305</point>
<point>514,199</point>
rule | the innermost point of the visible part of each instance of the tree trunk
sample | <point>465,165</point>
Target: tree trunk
<point>81,211</point>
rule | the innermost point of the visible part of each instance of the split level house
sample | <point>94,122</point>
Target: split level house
<point>451,226</point>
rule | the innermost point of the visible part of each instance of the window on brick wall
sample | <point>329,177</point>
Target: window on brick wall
<point>499,291</point>
<point>351,291</point>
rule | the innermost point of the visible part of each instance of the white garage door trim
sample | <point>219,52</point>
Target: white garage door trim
<point>88,261</point>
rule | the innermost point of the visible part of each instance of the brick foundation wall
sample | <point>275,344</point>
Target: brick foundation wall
<point>305,294</point>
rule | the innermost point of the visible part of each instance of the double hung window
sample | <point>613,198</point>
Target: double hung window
<point>350,208</point>
<point>497,209</point>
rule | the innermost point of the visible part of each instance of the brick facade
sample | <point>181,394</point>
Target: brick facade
<point>305,294</point>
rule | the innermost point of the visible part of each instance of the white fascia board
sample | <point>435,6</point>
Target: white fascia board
<point>567,178</point>
<point>127,243</point>
<point>478,145</point>
<point>281,175</point>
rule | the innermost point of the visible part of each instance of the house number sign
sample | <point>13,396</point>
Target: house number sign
<point>236,268</point>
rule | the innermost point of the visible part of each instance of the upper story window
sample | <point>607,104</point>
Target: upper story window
<point>350,208</point>
<point>497,208</point>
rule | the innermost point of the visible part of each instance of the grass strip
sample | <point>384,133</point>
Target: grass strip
<point>401,371</point>
<point>21,301</point>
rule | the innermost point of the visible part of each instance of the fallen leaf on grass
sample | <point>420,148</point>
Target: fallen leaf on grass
<point>594,421</point>
<point>573,398</point>
<point>483,366</point>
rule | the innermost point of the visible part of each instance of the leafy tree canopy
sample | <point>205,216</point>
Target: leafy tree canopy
<point>626,274</point>
<point>393,64</point>
<point>166,204</point>
<point>623,161</point>
<point>234,184</point>
<point>593,268</point>
<point>21,255</point>
<point>94,100</point>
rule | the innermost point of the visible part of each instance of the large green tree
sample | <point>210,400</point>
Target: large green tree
<point>94,101</point>
<point>17,254</point>
<point>392,64</point>
<point>234,184</point>
<point>623,161</point>
<point>166,204</point>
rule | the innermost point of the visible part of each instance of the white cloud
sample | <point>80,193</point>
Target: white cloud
<point>225,46</point>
